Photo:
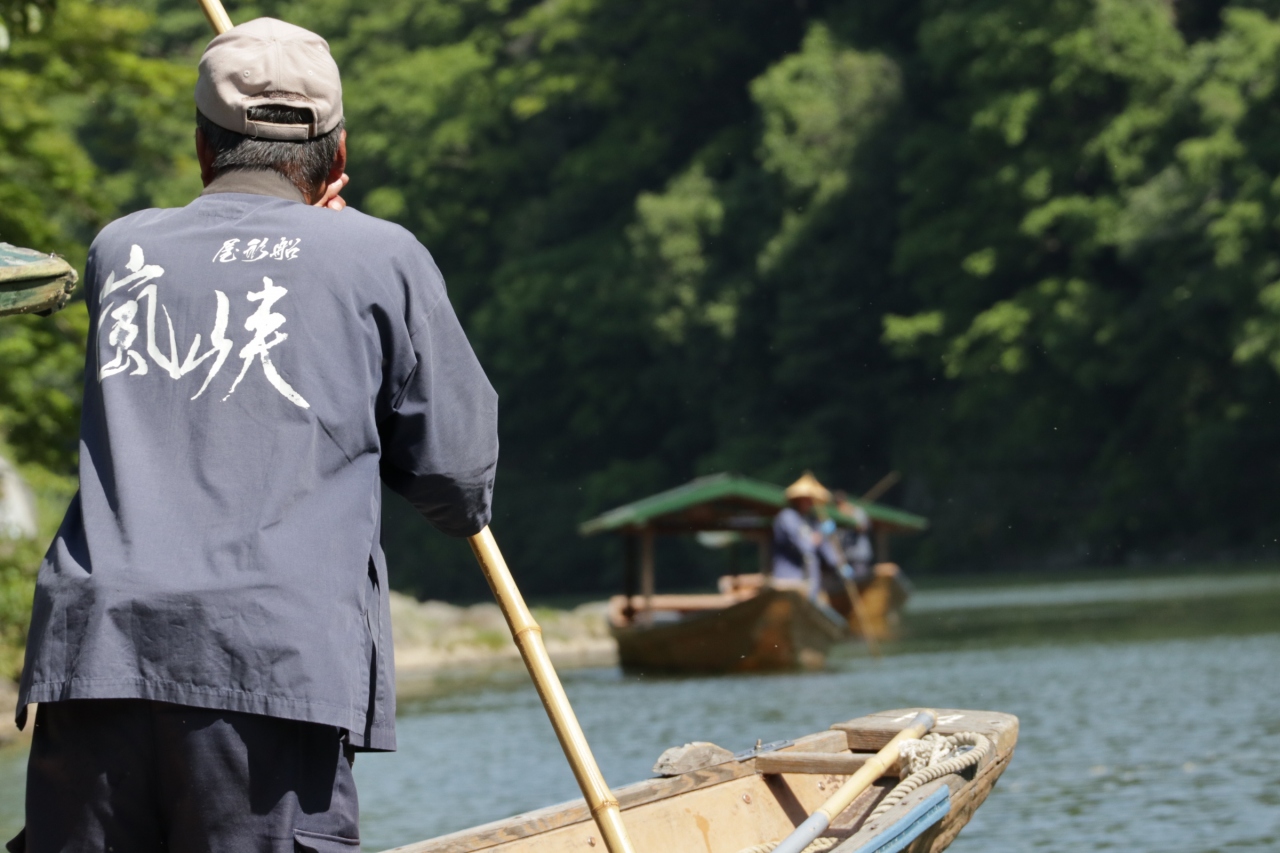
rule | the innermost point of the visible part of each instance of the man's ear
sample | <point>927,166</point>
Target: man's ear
<point>204,154</point>
<point>339,161</point>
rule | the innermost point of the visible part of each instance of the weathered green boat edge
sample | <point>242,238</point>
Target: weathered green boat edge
<point>33,282</point>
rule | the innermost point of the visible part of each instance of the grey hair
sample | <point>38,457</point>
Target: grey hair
<point>305,163</point>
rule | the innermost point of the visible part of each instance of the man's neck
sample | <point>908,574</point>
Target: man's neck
<point>255,182</point>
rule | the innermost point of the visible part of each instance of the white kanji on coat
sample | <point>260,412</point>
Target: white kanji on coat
<point>123,331</point>
<point>256,250</point>
<point>122,335</point>
<point>226,254</point>
<point>265,326</point>
<point>286,249</point>
<point>170,363</point>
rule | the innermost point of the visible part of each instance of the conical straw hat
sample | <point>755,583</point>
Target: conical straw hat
<point>808,487</point>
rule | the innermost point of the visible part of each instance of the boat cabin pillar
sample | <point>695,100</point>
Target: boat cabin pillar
<point>764,553</point>
<point>646,574</point>
<point>630,574</point>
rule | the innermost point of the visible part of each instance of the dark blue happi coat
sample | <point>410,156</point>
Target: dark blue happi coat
<point>255,366</point>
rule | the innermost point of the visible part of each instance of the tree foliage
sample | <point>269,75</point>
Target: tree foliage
<point>22,17</point>
<point>1088,226</point>
<point>89,127</point>
<point>1025,252</point>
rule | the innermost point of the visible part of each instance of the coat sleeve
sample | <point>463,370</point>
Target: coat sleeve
<point>440,433</point>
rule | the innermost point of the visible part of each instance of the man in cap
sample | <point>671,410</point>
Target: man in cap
<point>210,639</point>
<point>800,551</point>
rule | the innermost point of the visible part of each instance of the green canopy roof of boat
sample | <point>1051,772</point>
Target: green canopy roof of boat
<point>727,502</point>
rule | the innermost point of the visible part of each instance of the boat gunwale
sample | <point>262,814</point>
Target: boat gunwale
<point>861,735</point>
<point>838,630</point>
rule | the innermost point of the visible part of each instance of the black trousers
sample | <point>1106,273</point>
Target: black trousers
<point>133,776</point>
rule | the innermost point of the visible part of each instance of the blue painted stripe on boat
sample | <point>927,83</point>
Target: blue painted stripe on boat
<point>911,825</point>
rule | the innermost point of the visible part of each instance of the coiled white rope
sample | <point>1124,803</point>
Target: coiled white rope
<point>819,845</point>
<point>933,757</point>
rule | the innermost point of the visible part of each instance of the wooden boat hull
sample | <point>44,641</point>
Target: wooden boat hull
<point>774,629</point>
<point>758,798</point>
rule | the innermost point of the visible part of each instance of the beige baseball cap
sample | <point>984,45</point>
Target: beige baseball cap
<point>263,62</point>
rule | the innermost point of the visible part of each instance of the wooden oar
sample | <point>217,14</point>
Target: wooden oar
<point>818,822</point>
<point>860,614</point>
<point>887,482</point>
<point>528,636</point>
<point>855,601</point>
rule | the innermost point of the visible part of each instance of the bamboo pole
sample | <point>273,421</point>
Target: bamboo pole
<point>856,605</point>
<point>604,806</point>
<point>217,15</point>
<point>818,822</point>
<point>887,482</point>
<point>528,636</point>
<point>860,616</point>
<point>647,574</point>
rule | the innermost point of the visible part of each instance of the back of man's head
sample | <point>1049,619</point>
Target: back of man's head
<point>269,96</point>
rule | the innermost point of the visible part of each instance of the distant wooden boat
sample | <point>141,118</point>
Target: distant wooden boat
<point>746,802</point>
<point>767,628</point>
<point>755,622</point>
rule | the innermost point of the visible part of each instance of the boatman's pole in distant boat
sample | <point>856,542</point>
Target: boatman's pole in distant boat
<point>528,636</point>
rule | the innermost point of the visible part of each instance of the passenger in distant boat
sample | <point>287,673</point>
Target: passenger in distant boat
<point>800,551</point>
<point>855,543</point>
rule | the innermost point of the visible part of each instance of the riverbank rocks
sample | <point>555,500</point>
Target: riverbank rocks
<point>434,635</point>
<point>8,700</point>
<point>17,505</point>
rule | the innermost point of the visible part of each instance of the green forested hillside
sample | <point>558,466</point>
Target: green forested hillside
<point>1024,252</point>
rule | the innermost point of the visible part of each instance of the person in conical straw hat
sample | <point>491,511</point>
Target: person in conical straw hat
<point>807,488</point>
<point>800,551</point>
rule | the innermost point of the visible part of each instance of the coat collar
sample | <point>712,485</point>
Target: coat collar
<point>255,182</point>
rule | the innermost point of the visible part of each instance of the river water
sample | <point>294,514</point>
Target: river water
<point>1150,712</point>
